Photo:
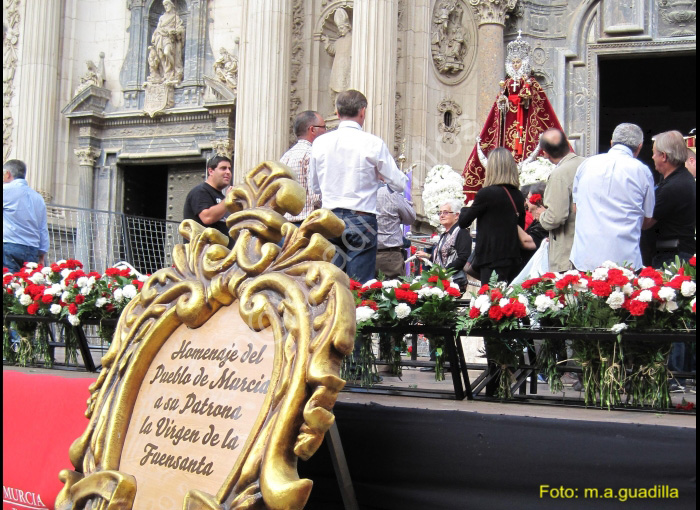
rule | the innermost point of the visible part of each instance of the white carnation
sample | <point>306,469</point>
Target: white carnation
<point>65,297</point>
<point>391,284</point>
<point>74,320</point>
<point>85,291</point>
<point>435,291</point>
<point>25,300</point>
<point>523,300</point>
<point>627,289</point>
<point>129,291</point>
<point>609,264</point>
<point>645,296</point>
<point>118,295</point>
<point>46,271</point>
<point>363,313</point>
<point>368,283</point>
<point>402,310</point>
<point>441,184</point>
<point>688,289</point>
<point>32,265</point>
<point>667,294</point>
<point>668,306</point>
<point>615,300</point>
<point>55,309</point>
<point>65,273</point>
<point>537,170</point>
<point>618,328</point>
<point>646,283</point>
<point>54,290</point>
<point>600,273</point>
<point>100,302</point>
<point>503,302</point>
<point>19,292</point>
<point>82,282</point>
<point>544,303</point>
<point>37,278</point>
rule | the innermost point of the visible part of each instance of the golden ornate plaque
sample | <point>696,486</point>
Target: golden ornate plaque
<point>224,369</point>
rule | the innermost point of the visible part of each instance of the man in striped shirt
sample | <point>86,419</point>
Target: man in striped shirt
<point>307,126</point>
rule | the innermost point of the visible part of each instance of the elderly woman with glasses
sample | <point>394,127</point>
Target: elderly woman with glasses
<point>454,245</point>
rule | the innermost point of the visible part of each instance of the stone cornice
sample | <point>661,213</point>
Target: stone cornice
<point>492,12</point>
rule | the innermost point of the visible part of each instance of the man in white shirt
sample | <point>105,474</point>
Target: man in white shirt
<point>345,168</point>
<point>614,198</point>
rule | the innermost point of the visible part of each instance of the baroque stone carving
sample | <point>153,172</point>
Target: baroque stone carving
<point>492,11</point>
<point>297,59</point>
<point>93,76</point>
<point>165,63</point>
<point>87,156</point>
<point>226,67</point>
<point>9,66</point>
<point>449,38</point>
<point>680,15</point>
<point>222,147</point>
<point>449,127</point>
<point>340,49</point>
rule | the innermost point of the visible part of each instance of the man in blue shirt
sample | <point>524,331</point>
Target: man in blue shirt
<point>25,234</point>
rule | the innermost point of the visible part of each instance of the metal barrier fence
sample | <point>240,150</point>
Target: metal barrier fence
<point>99,239</point>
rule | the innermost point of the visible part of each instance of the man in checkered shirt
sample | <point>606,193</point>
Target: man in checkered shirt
<point>307,126</point>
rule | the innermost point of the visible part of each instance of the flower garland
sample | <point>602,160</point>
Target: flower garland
<point>65,292</point>
<point>429,299</point>
<point>611,297</point>
<point>441,184</point>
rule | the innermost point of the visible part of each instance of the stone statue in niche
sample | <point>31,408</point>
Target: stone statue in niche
<point>93,76</point>
<point>340,49</point>
<point>165,61</point>
<point>226,67</point>
<point>449,40</point>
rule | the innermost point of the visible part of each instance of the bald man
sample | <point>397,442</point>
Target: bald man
<point>559,215</point>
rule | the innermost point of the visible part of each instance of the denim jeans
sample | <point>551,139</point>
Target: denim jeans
<point>15,255</point>
<point>356,248</point>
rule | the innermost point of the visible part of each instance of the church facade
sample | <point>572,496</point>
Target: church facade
<point>116,105</point>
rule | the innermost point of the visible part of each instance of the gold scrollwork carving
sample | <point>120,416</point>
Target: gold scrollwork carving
<point>294,290</point>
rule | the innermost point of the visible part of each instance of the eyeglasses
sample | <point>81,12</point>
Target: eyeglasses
<point>444,213</point>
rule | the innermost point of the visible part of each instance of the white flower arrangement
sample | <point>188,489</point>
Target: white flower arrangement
<point>441,184</point>
<point>536,171</point>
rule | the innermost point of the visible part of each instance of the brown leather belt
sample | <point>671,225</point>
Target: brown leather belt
<point>393,248</point>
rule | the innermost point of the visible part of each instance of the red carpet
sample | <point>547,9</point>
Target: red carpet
<point>42,416</point>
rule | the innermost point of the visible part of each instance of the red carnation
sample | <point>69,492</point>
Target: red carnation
<point>535,199</point>
<point>496,295</point>
<point>73,309</point>
<point>370,303</point>
<point>691,261</point>
<point>531,283</point>
<point>46,299</point>
<point>550,294</point>
<point>433,279</point>
<point>650,272</point>
<point>483,290</point>
<point>112,271</point>
<point>79,299</point>
<point>617,278</point>
<point>413,250</point>
<point>445,284</point>
<point>406,286</point>
<point>637,308</point>
<point>496,313</point>
<point>601,288</point>
<point>376,285</point>
<point>410,349</point>
<point>126,272</point>
<point>474,313</point>
<point>33,308</point>
<point>453,292</point>
<point>549,276</point>
<point>354,284</point>
<point>109,307</point>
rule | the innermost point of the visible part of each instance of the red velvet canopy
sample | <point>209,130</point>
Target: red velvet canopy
<point>528,113</point>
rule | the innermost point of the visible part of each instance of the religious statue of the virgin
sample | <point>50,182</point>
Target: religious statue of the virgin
<point>520,114</point>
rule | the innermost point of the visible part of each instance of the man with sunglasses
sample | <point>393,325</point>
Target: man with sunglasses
<point>308,126</point>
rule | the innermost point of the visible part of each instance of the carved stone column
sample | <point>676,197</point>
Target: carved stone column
<point>87,156</point>
<point>262,109</point>
<point>373,67</point>
<point>38,93</point>
<point>491,17</point>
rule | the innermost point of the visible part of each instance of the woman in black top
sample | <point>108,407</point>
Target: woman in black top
<point>500,208</point>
